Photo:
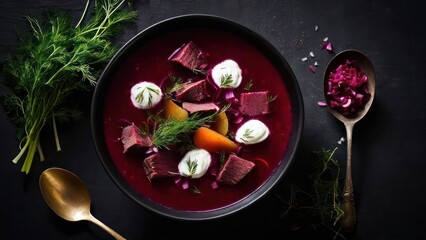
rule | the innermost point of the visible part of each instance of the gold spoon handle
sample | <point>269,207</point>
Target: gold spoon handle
<point>106,228</point>
<point>348,220</point>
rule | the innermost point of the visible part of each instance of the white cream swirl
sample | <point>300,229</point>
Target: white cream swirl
<point>252,132</point>
<point>227,74</point>
<point>195,163</point>
<point>145,95</point>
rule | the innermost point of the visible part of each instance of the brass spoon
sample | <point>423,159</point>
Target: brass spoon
<point>67,196</point>
<point>348,219</point>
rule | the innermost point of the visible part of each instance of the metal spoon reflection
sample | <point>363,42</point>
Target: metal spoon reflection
<point>68,197</point>
<point>348,219</point>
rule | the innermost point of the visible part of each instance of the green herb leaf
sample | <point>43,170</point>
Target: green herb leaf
<point>199,71</point>
<point>249,85</point>
<point>176,84</point>
<point>247,135</point>
<point>192,166</point>
<point>195,190</point>
<point>226,80</point>
<point>271,98</point>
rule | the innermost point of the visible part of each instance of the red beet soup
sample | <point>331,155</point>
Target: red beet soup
<point>149,62</point>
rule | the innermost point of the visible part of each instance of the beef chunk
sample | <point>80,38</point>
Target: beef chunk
<point>189,56</point>
<point>200,107</point>
<point>254,103</point>
<point>161,165</point>
<point>192,92</point>
<point>234,169</point>
<point>133,141</point>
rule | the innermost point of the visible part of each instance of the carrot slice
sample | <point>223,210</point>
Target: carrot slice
<point>220,123</point>
<point>172,110</point>
<point>213,141</point>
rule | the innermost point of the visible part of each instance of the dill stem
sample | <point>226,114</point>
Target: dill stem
<point>90,30</point>
<point>40,151</point>
<point>84,14</point>
<point>60,70</point>
<point>55,133</point>
<point>27,144</point>
<point>30,155</point>
<point>107,15</point>
<point>23,149</point>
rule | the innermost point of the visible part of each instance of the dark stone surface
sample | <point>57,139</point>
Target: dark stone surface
<point>388,159</point>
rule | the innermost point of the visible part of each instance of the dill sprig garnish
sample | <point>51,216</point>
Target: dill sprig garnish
<point>248,85</point>
<point>226,80</point>
<point>195,190</point>
<point>222,159</point>
<point>51,65</point>
<point>171,131</point>
<point>247,135</point>
<point>192,166</point>
<point>140,96</point>
<point>176,84</point>
<point>199,71</point>
<point>271,98</point>
<point>322,201</point>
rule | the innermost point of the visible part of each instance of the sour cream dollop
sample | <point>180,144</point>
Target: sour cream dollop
<point>195,163</point>
<point>227,74</point>
<point>252,132</point>
<point>145,95</point>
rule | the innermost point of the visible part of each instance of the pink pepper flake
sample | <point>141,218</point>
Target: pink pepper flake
<point>215,185</point>
<point>329,47</point>
<point>312,68</point>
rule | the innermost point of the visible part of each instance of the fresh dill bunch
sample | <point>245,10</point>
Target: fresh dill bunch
<point>321,201</point>
<point>55,62</point>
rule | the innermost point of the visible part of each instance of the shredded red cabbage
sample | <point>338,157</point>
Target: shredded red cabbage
<point>347,90</point>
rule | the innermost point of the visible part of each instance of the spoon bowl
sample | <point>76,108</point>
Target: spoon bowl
<point>348,220</point>
<point>366,67</point>
<point>67,195</point>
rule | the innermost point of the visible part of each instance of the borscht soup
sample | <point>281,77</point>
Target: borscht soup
<point>213,123</point>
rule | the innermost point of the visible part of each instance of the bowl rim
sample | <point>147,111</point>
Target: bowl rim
<point>199,20</point>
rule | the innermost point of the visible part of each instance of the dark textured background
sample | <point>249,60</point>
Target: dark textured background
<point>388,159</point>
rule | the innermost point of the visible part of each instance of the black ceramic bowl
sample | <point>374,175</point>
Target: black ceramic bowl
<point>144,57</point>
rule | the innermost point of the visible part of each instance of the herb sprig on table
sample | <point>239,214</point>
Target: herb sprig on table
<point>56,61</point>
<point>319,204</point>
